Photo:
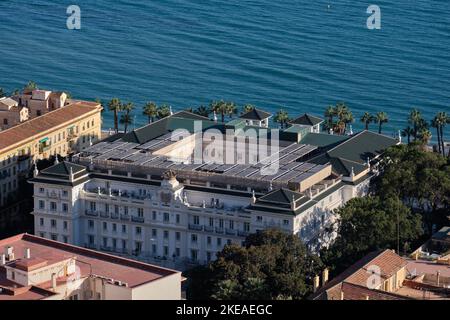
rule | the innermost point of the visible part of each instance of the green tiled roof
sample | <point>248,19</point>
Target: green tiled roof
<point>361,146</point>
<point>256,114</point>
<point>63,169</point>
<point>307,120</point>
<point>323,140</point>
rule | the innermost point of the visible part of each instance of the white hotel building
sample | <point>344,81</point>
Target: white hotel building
<point>126,196</point>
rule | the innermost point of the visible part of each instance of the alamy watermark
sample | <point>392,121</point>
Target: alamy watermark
<point>374,20</point>
<point>253,146</point>
<point>73,22</point>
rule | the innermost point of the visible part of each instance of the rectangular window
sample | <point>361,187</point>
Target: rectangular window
<point>105,226</point>
<point>53,223</point>
<point>166,217</point>
<point>124,228</point>
<point>41,204</point>
<point>154,233</point>
<point>65,225</point>
<point>65,207</point>
<point>196,220</point>
<point>194,238</point>
<point>41,222</point>
<point>53,206</point>
<point>138,230</point>
<point>178,218</point>
<point>166,234</point>
<point>178,236</point>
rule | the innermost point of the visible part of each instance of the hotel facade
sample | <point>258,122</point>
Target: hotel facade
<point>142,195</point>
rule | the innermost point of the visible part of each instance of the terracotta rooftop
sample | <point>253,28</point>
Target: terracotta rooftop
<point>90,262</point>
<point>357,274</point>
<point>41,124</point>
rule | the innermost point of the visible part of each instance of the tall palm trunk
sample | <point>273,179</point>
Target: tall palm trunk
<point>438,131</point>
<point>116,121</point>
<point>442,140</point>
<point>379,127</point>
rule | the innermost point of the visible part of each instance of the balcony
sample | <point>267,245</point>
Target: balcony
<point>114,216</point>
<point>219,230</point>
<point>104,214</point>
<point>137,219</point>
<point>195,227</point>
<point>71,136</point>
<point>124,217</point>
<point>209,229</point>
<point>230,232</point>
<point>243,233</point>
<point>91,213</point>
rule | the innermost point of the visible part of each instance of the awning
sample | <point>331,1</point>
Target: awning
<point>43,140</point>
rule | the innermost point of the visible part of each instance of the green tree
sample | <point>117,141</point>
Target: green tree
<point>2,93</point>
<point>127,118</point>
<point>329,114</point>
<point>344,116</point>
<point>203,111</point>
<point>163,111</point>
<point>367,224</point>
<point>420,179</point>
<point>270,265</point>
<point>247,108</point>
<point>151,111</point>
<point>223,108</point>
<point>381,118</point>
<point>424,137</point>
<point>281,117</point>
<point>415,119</point>
<point>408,132</point>
<point>115,106</point>
<point>367,119</point>
<point>31,85</point>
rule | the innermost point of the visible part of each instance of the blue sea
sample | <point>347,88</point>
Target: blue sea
<point>299,55</point>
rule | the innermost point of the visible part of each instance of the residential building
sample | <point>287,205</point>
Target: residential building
<point>11,113</point>
<point>143,194</point>
<point>62,131</point>
<point>40,102</point>
<point>33,268</point>
<point>256,117</point>
<point>384,275</point>
<point>309,121</point>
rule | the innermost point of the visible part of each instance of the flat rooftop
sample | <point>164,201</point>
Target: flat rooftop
<point>90,262</point>
<point>143,148</point>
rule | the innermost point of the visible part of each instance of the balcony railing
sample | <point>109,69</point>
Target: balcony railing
<point>114,216</point>
<point>137,219</point>
<point>104,214</point>
<point>209,229</point>
<point>243,233</point>
<point>230,232</point>
<point>124,217</point>
<point>91,213</point>
<point>219,230</point>
<point>195,227</point>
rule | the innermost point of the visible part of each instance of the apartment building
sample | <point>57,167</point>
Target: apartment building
<point>11,113</point>
<point>141,195</point>
<point>32,268</point>
<point>63,131</point>
<point>384,275</point>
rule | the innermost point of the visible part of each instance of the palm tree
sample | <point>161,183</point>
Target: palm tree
<point>425,137</point>
<point>203,111</point>
<point>127,118</point>
<point>163,111</point>
<point>282,118</point>
<point>151,111</point>
<point>329,114</point>
<point>344,116</point>
<point>435,123</point>
<point>443,120</point>
<point>408,132</point>
<point>367,118</point>
<point>231,109</point>
<point>381,118</point>
<point>115,106</point>
<point>221,107</point>
<point>247,108</point>
<point>31,85</point>
<point>415,118</point>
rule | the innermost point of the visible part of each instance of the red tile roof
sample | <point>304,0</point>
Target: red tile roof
<point>48,121</point>
<point>90,262</point>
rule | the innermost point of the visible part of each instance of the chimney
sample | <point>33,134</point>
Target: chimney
<point>325,276</point>
<point>3,260</point>
<point>27,253</point>
<point>342,295</point>
<point>316,284</point>
<point>54,281</point>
